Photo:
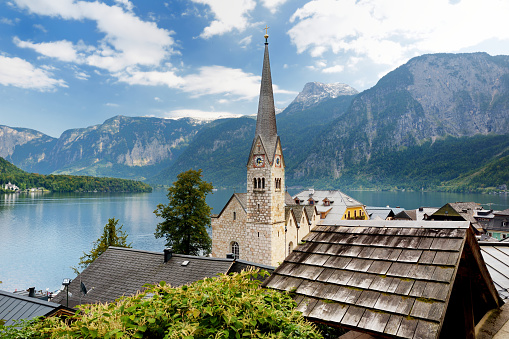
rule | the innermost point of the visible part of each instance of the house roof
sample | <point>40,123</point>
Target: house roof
<point>496,257</point>
<point>504,212</point>
<point>338,202</point>
<point>14,307</point>
<point>417,214</point>
<point>124,271</point>
<point>380,213</point>
<point>390,278</point>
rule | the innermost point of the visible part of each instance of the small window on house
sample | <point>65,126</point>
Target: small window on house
<point>504,223</point>
<point>290,247</point>
<point>297,201</point>
<point>263,182</point>
<point>234,215</point>
<point>235,249</point>
<point>348,214</point>
<point>355,214</point>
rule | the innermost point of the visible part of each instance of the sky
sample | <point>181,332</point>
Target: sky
<point>68,64</point>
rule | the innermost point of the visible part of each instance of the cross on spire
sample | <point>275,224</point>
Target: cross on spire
<point>266,36</point>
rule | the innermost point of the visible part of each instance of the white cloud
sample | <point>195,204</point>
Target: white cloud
<point>20,73</point>
<point>81,75</point>
<point>41,28</point>
<point>62,50</point>
<point>232,83</point>
<point>151,78</point>
<point>229,15</point>
<point>244,43</point>
<point>390,32</point>
<point>157,99</point>
<point>198,114</point>
<point>6,21</point>
<point>110,104</point>
<point>273,5</point>
<point>126,4</point>
<point>222,80</point>
<point>128,41</point>
<point>334,69</point>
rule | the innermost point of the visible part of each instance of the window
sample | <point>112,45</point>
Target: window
<point>255,183</point>
<point>504,223</point>
<point>259,183</point>
<point>235,250</point>
<point>263,182</point>
<point>290,247</point>
<point>355,214</point>
<point>234,215</point>
<point>348,214</point>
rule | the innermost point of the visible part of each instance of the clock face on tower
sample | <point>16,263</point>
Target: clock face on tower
<point>259,161</point>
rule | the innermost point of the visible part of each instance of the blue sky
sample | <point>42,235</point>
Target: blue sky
<point>70,64</point>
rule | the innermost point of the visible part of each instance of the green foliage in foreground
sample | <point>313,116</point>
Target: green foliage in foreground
<point>67,183</point>
<point>112,236</point>
<point>230,306</point>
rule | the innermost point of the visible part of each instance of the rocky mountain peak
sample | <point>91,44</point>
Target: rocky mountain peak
<point>316,92</point>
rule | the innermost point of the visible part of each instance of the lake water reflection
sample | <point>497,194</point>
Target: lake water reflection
<point>43,235</point>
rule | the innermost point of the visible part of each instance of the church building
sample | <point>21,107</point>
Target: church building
<point>264,224</point>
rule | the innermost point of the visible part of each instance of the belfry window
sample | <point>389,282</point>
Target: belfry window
<point>235,250</point>
<point>255,186</point>
<point>263,182</point>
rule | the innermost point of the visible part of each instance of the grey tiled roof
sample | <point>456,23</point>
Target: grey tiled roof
<point>15,307</point>
<point>496,257</point>
<point>390,278</point>
<point>124,271</point>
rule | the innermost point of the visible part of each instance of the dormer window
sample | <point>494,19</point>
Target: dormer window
<point>326,202</point>
<point>297,201</point>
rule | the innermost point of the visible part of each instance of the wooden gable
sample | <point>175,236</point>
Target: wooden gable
<point>390,279</point>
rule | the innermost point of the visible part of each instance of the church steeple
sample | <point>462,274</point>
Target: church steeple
<point>266,118</point>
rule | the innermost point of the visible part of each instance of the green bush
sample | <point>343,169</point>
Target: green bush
<point>230,306</point>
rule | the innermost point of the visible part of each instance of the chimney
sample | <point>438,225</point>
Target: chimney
<point>168,253</point>
<point>230,256</point>
<point>421,209</point>
<point>31,292</point>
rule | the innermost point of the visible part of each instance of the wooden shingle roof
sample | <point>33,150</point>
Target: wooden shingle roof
<point>387,278</point>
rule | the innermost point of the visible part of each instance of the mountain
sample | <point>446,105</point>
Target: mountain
<point>440,121</point>
<point>432,97</point>
<point>316,92</point>
<point>125,147</point>
<point>221,148</point>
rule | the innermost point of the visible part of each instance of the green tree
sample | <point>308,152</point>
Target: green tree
<point>186,215</point>
<point>112,236</point>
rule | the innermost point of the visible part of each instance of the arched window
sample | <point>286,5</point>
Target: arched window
<point>290,247</point>
<point>254,183</point>
<point>259,183</point>
<point>348,214</point>
<point>235,249</point>
<point>355,214</point>
<point>263,182</point>
<point>234,215</point>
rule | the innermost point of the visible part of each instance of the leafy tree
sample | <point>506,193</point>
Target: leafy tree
<point>186,215</point>
<point>112,236</point>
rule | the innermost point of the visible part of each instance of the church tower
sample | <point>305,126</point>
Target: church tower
<point>265,203</point>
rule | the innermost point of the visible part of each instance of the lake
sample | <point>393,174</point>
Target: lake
<point>43,235</point>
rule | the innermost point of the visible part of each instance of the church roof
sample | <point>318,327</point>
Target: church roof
<point>266,119</point>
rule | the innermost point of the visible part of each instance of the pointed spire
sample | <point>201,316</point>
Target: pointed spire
<point>266,118</point>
